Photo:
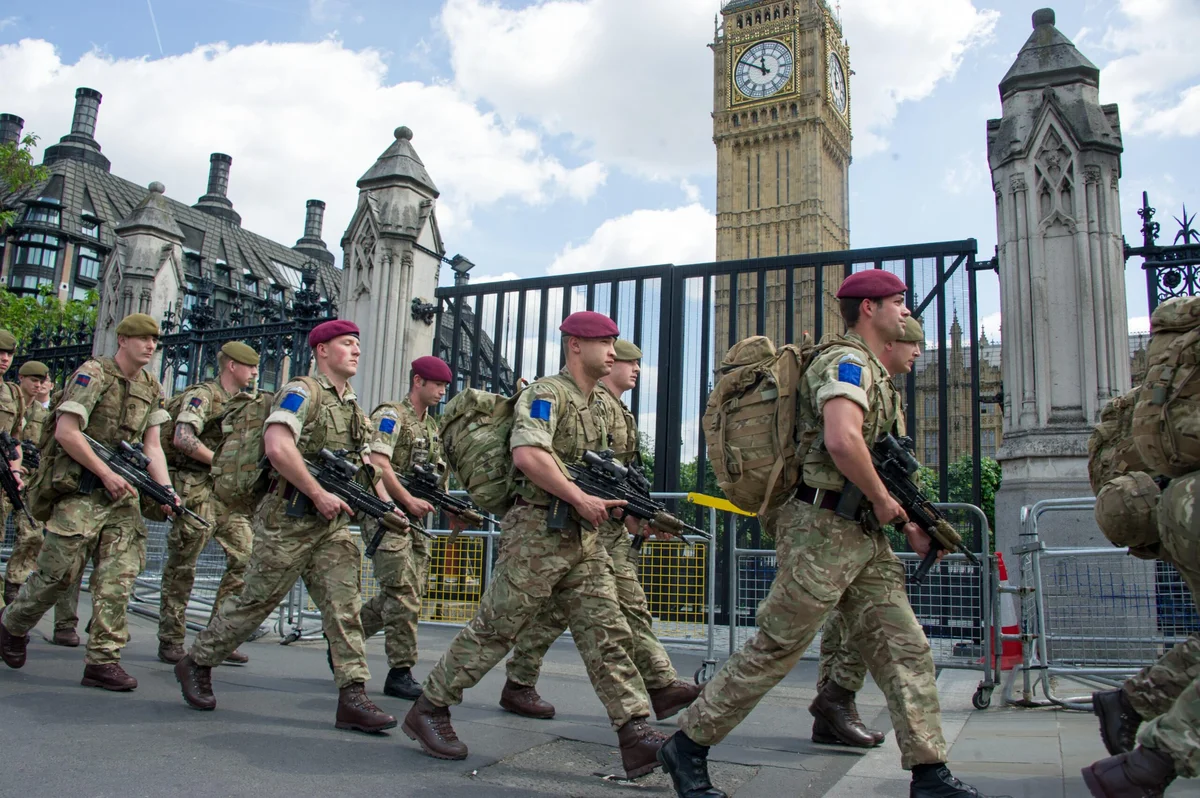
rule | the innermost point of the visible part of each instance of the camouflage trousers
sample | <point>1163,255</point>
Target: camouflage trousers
<point>824,560</point>
<point>187,540</point>
<point>320,552</point>
<point>402,571</point>
<point>647,653</point>
<point>23,561</point>
<point>840,661</point>
<point>537,565</point>
<point>1167,694</point>
<point>83,527</point>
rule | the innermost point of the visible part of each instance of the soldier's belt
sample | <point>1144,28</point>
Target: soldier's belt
<point>818,497</point>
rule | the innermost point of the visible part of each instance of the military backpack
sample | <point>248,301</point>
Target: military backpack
<point>1166,415</point>
<point>1111,451</point>
<point>238,471</point>
<point>475,430</point>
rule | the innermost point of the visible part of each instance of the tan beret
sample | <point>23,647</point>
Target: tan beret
<point>34,368</point>
<point>136,324</point>
<point>8,341</point>
<point>625,350</point>
<point>913,333</point>
<point>236,350</point>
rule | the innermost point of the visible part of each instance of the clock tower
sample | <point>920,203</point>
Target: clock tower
<point>781,125</point>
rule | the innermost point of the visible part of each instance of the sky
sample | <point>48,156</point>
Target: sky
<point>575,135</point>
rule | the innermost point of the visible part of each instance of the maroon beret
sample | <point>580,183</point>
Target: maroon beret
<point>432,368</point>
<point>328,330</point>
<point>589,324</point>
<point>871,284</point>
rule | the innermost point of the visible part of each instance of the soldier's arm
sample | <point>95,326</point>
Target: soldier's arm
<point>189,443</point>
<point>843,421</point>
<point>152,448</point>
<point>69,434</point>
<point>543,471</point>
<point>394,491</point>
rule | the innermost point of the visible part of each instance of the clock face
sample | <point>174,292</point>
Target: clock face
<point>763,69</point>
<point>837,83</point>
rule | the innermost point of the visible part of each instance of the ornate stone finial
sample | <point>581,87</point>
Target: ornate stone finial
<point>157,188</point>
<point>1043,16</point>
<point>404,132</point>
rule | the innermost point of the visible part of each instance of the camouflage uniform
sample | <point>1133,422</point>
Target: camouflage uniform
<point>111,409</point>
<point>201,408</point>
<point>825,560</point>
<point>401,562</point>
<point>537,565</point>
<point>322,553</point>
<point>647,652</point>
<point>28,540</point>
<point>12,420</point>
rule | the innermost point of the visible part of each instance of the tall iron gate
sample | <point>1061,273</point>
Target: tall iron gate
<point>1172,270</point>
<point>684,318</point>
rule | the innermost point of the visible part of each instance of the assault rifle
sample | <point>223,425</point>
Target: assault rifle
<point>601,475</point>
<point>131,464</point>
<point>895,465</point>
<point>9,446</point>
<point>422,483</point>
<point>338,475</point>
<point>31,456</point>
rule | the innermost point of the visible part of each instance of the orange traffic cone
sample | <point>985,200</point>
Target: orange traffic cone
<point>1010,650</point>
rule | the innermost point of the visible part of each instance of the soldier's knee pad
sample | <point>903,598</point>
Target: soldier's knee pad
<point>1179,519</point>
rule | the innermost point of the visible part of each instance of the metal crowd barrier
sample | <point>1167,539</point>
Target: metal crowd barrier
<point>1092,615</point>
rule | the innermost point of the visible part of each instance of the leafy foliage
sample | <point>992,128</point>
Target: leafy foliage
<point>18,171</point>
<point>21,315</point>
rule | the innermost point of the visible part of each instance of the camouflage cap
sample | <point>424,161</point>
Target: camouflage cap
<point>34,368</point>
<point>136,324</point>
<point>8,341</point>
<point>242,353</point>
<point>626,350</point>
<point>913,332</point>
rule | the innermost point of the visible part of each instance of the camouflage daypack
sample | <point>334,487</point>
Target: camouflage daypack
<point>1166,416</point>
<point>475,431</point>
<point>166,433</point>
<point>239,476</point>
<point>750,421</point>
<point>1111,451</point>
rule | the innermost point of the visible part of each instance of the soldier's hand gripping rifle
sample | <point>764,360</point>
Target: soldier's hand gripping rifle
<point>338,475</point>
<point>895,465</point>
<point>422,483</point>
<point>31,456</point>
<point>131,464</point>
<point>9,446</point>
<point>600,475</point>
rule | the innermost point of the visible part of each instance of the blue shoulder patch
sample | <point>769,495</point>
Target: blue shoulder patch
<point>291,402</point>
<point>195,401</point>
<point>386,425</point>
<point>850,373</point>
<point>540,409</point>
<point>82,379</point>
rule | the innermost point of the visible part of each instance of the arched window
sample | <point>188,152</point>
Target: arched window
<point>737,120</point>
<point>795,110</point>
<point>758,16</point>
<point>739,22</point>
<point>774,114</point>
<point>754,116</point>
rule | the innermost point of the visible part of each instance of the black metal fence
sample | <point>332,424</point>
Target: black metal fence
<point>1172,270</point>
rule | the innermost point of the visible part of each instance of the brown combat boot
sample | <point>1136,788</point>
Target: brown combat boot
<point>196,683</point>
<point>11,589</point>
<point>12,647</point>
<point>237,658</point>
<point>170,653</point>
<point>1119,721</point>
<point>639,747</point>
<point>835,705</point>
<point>676,696</point>
<point>357,712</point>
<point>1141,773</point>
<point>110,676</point>
<point>525,701</point>
<point>430,726</point>
<point>65,637</point>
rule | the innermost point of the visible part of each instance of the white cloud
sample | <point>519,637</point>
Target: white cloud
<point>300,120</point>
<point>1139,325</point>
<point>680,235</point>
<point>966,174</point>
<point>991,326</point>
<point>495,278</point>
<point>7,22</point>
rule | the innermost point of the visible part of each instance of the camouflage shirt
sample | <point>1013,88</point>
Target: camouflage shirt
<point>322,422</point>
<point>407,440</point>
<point>111,407</point>
<point>622,426</point>
<point>853,372</point>
<point>12,409</point>
<point>552,414</point>
<point>35,419</point>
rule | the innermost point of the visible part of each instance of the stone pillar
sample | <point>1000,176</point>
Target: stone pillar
<point>144,273</point>
<point>392,254</point>
<point>1055,158</point>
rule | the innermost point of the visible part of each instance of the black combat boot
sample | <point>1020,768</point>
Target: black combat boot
<point>687,764</point>
<point>936,781</point>
<point>401,684</point>
<point>1141,773</point>
<point>1119,721</point>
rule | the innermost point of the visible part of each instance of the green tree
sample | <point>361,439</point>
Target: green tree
<point>18,172</point>
<point>22,314</point>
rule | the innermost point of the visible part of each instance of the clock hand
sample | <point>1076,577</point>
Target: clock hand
<point>756,66</point>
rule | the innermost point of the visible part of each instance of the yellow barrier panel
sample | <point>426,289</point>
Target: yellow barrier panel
<point>675,576</point>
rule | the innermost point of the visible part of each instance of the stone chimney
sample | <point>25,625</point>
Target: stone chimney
<point>11,126</point>
<point>311,243</point>
<point>80,144</point>
<point>215,201</point>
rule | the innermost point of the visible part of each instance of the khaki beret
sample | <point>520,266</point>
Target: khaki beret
<point>913,333</point>
<point>8,341</point>
<point>625,350</point>
<point>136,324</point>
<point>236,350</point>
<point>34,368</point>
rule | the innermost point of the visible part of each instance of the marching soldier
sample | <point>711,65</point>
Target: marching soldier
<point>825,559</point>
<point>555,420</point>
<point>115,400</point>
<point>842,671</point>
<point>35,389</point>
<point>309,414</point>
<point>12,406</point>
<point>668,695</point>
<point>197,435</point>
<point>406,434</point>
